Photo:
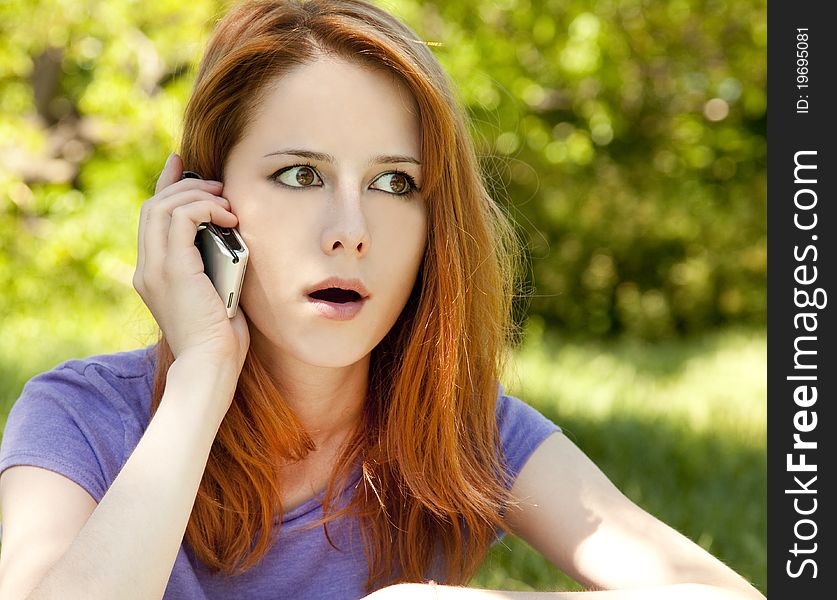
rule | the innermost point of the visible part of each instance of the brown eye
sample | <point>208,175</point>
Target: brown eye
<point>396,183</point>
<point>305,176</point>
<point>298,176</point>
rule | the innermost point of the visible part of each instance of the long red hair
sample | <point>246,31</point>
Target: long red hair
<point>427,445</point>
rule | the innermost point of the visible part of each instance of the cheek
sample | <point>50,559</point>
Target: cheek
<point>277,239</point>
<point>400,232</point>
<point>416,236</point>
<point>269,222</point>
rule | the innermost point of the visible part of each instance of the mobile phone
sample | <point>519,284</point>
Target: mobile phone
<point>224,256</point>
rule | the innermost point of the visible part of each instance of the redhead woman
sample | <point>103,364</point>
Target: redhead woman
<point>345,434</point>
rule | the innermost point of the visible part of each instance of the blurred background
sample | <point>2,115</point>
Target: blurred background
<point>625,138</point>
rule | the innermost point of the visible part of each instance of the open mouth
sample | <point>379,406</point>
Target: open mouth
<point>336,295</point>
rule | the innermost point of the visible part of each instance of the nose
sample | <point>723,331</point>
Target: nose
<point>346,228</point>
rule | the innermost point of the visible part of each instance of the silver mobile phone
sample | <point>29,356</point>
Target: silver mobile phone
<point>224,256</point>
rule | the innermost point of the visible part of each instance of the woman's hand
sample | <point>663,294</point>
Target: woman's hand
<point>170,276</point>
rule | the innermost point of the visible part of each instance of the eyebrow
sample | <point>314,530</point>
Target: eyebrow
<point>321,156</point>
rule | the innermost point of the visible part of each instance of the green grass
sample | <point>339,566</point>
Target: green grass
<point>679,426</point>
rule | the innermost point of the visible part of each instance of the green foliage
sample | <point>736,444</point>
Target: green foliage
<point>630,139</point>
<point>626,138</point>
<point>92,93</point>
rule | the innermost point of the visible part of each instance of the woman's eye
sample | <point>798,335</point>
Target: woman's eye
<point>298,176</point>
<point>397,183</point>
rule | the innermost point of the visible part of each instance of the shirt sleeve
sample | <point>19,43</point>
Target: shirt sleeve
<point>522,430</point>
<point>65,420</point>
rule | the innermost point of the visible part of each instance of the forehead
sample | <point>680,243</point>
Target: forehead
<point>336,106</point>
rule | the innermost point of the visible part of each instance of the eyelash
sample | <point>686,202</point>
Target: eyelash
<point>411,182</point>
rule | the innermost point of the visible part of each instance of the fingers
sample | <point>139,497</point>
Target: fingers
<point>172,171</point>
<point>182,255</point>
<point>155,214</point>
<point>170,275</point>
<point>169,239</point>
<point>157,218</point>
<point>158,212</point>
<point>172,225</point>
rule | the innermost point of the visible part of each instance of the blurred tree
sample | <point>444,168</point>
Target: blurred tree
<point>626,138</point>
<point>91,95</point>
<point>629,138</point>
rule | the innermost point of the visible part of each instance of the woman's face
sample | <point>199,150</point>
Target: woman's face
<point>316,183</point>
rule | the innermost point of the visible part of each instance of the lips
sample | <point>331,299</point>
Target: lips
<point>338,290</point>
<point>337,299</point>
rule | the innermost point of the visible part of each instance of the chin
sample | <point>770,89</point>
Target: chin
<point>313,341</point>
<point>331,358</point>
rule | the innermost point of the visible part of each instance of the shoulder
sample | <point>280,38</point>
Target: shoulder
<point>81,418</point>
<point>119,380</point>
<point>95,387</point>
<point>115,366</point>
<point>522,428</point>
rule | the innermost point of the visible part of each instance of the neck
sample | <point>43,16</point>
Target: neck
<point>327,400</point>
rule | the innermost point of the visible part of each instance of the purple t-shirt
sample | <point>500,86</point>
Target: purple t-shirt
<point>84,418</point>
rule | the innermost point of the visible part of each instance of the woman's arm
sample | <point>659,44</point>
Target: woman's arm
<point>128,546</point>
<point>43,512</point>
<point>573,515</point>
<point>683,591</point>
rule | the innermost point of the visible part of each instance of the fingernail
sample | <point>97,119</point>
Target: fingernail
<point>168,160</point>
<point>213,182</point>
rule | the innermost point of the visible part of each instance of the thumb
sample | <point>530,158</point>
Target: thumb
<point>171,173</point>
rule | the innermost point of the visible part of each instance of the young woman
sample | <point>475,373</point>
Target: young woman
<point>345,433</point>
